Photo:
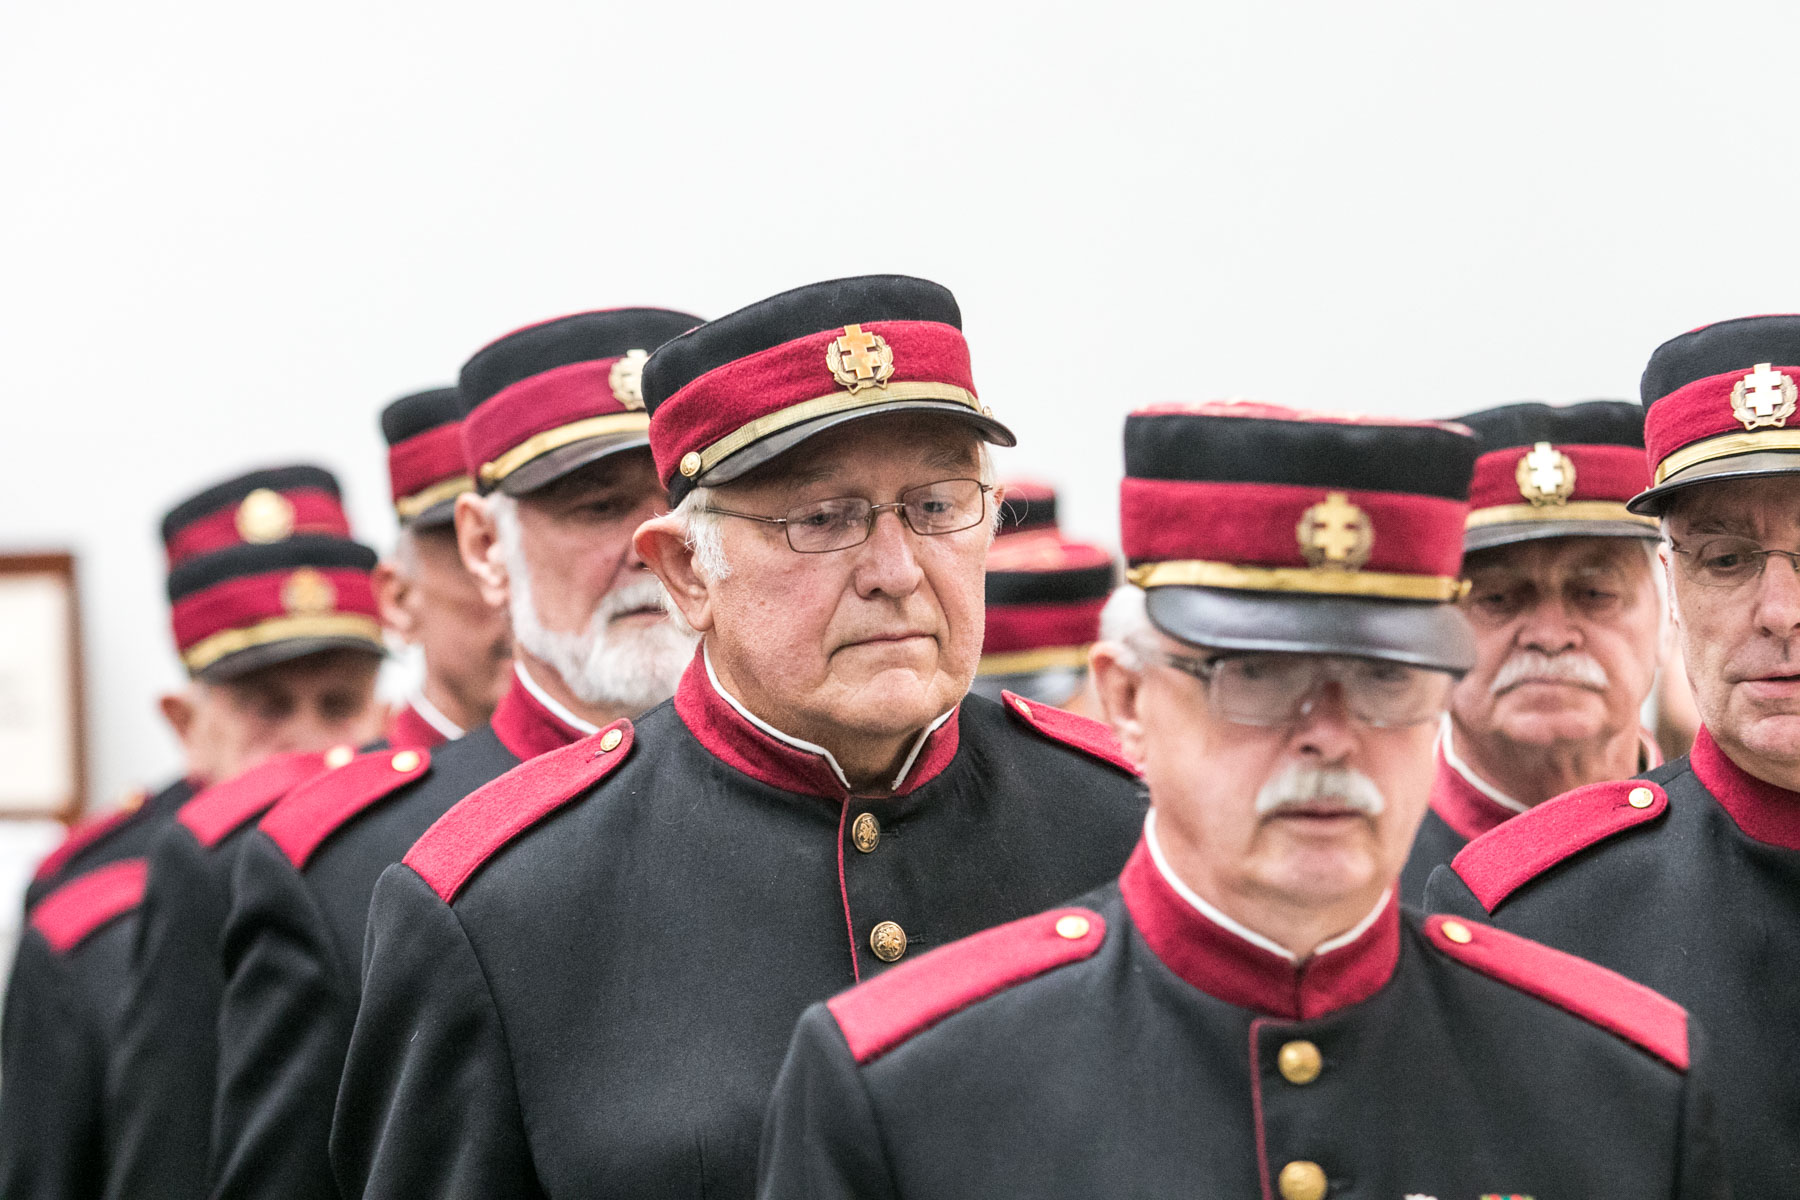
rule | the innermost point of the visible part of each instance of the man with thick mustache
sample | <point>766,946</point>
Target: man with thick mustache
<point>581,981</point>
<point>557,438</point>
<point>1568,622</point>
<point>1688,880</point>
<point>1248,1011</point>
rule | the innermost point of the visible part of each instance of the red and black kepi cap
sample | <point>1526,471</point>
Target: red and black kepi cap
<point>1044,597</point>
<point>1254,527</point>
<point>552,397</point>
<point>251,606</point>
<point>426,472</point>
<point>1719,404</point>
<point>1547,471</point>
<point>256,508</point>
<point>739,391</point>
<point>1026,507</point>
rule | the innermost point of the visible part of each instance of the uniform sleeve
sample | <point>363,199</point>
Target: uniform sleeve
<point>1700,1171</point>
<point>52,1064</point>
<point>284,1027</point>
<point>427,1105</point>
<point>820,1140</point>
<point>1447,893</point>
<point>160,1079</point>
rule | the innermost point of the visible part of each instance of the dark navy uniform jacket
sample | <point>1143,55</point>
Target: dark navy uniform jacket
<point>160,1077</point>
<point>126,832</point>
<point>583,979</point>
<point>1687,881</point>
<point>292,947</point>
<point>1134,1046</point>
<point>63,1004</point>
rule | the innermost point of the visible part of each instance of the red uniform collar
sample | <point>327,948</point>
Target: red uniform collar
<point>1762,810</point>
<point>1471,806</point>
<point>409,728</point>
<point>1229,966</point>
<point>733,735</point>
<point>526,726</point>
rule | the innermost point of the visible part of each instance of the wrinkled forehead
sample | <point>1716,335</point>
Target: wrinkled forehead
<point>1761,507</point>
<point>918,448</point>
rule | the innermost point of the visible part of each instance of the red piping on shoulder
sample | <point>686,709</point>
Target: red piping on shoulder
<point>1088,736</point>
<point>1505,858</point>
<point>78,909</point>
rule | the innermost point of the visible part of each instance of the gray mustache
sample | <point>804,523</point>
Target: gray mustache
<point>1532,666</point>
<point>1300,784</point>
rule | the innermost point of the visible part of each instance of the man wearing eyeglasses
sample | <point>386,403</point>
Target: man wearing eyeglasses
<point>582,980</point>
<point>1248,1011</point>
<point>1568,618</point>
<point>1688,879</point>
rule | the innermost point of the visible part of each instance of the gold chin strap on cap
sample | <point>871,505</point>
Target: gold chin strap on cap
<point>1581,510</point>
<point>1317,581</point>
<point>539,444</point>
<point>209,650</point>
<point>408,507</point>
<point>1026,662</point>
<point>1726,446</point>
<point>825,406</point>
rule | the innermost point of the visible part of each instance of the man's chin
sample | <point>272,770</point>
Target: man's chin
<point>1773,735</point>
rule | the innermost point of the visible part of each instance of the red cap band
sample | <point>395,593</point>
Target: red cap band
<point>288,603</point>
<point>421,466</point>
<point>1702,410</point>
<point>534,416</point>
<point>310,511</point>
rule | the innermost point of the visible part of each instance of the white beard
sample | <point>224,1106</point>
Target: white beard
<point>633,667</point>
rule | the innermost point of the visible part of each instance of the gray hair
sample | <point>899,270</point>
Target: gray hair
<point>1124,622</point>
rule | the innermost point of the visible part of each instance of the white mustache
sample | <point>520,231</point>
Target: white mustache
<point>636,595</point>
<point>1533,666</point>
<point>1300,784</point>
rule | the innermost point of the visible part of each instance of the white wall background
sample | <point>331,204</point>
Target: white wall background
<point>229,232</point>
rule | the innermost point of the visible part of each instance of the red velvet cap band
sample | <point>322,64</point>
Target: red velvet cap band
<point>265,515</point>
<point>254,610</point>
<point>1719,416</point>
<point>1557,482</point>
<point>567,404</point>
<point>1044,597</point>
<point>427,469</point>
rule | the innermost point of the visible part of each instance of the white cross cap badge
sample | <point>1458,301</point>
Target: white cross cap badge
<point>1764,398</point>
<point>860,359</point>
<point>1545,476</point>
<point>1335,534</point>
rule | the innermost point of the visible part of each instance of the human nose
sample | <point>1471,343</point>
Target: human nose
<point>1324,727</point>
<point>886,564</point>
<point>1548,628</point>
<point>1778,596</point>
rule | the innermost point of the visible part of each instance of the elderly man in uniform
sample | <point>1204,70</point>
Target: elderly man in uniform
<point>558,437</point>
<point>428,598</point>
<point>1248,1011</point>
<point>273,615</point>
<point>1689,879</point>
<point>1568,617</point>
<point>582,979</point>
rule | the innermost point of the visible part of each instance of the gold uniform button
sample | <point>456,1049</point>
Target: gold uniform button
<point>1299,1062</point>
<point>865,832</point>
<point>1641,797</point>
<point>1302,1181</point>
<point>609,741</point>
<point>888,941</point>
<point>406,760</point>
<point>337,756</point>
<point>690,464</point>
<point>1072,927</point>
<point>1024,708</point>
<point>1457,932</point>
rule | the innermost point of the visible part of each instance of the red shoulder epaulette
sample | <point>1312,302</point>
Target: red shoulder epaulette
<point>79,908</point>
<point>86,834</point>
<point>484,821</point>
<point>1088,736</point>
<point>1622,1006</point>
<point>302,820</point>
<point>909,999</point>
<point>223,808</point>
<point>1498,862</point>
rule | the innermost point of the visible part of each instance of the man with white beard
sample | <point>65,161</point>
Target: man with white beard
<point>1247,1010</point>
<point>556,438</point>
<point>1569,623</point>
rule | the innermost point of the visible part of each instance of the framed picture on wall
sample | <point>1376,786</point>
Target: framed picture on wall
<point>41,724</point>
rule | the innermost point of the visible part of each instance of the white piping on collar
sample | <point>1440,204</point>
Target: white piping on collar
<point>830,761</point>
<point>1447,744</point>
<point>432,715</point>
<point>1244,931</point>
<point>556,708</point>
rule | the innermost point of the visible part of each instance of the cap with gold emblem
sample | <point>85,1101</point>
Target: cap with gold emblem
<point>251,606</point>
<point>256,508</point>
<point>1548,471</point>
<point>1044,597</point>
<point>425,461</point>
<point>1254,527</point>
<point>739,391</point>
<point>552,397</point>
<point>1719,403</point>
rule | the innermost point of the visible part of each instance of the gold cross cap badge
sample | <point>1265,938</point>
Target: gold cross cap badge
<point>860,359</point>
<point>1335,533</point>
<point>1764,397</point>
<point>1545,476</point>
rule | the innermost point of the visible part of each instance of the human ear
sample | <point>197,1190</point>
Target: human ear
<point>1119,687</point>
<point>662,543</point>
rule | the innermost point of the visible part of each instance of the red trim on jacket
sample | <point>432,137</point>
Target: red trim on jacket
<point>1463,806</point>
<point>302,820</point>
<point>727,736</point>
<point>1223,965</point>
<point>1499,862</point>
<point>1593,993</point>
<point>225,807</point>
<point>1085,734</point>
<point>917,994</point>
<point>407,728</point>
<point>527,728</point>
<point>1767,813</point>
<point>79,908</point>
